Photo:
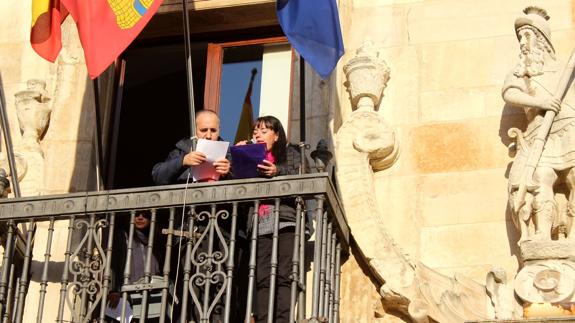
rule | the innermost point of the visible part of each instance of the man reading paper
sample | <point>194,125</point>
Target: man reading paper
<point>177,166</point>
<point>181,166</point>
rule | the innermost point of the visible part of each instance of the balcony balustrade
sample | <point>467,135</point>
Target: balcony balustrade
<point>206,234</point>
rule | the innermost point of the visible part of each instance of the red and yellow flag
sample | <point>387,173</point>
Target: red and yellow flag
<point>246,124</point>
<point>47,16</point>
<point>106,27</point>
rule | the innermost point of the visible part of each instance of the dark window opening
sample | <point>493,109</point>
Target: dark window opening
<point>154,112</point>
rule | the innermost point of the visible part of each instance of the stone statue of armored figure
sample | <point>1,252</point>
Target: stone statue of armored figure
<point>531,86</point>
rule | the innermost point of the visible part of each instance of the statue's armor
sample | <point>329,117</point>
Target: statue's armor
<point>559,151</point>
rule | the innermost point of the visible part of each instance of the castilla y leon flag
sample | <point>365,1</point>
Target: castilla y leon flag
<point>47,15</point>
<point>107,27</point>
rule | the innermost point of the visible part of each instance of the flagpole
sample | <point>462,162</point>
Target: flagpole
<point>190,79</point>
<point>12,234</point>
<point>8,141</point>
<point>97,134</point>
<point>301,99</point>
<point>302,145</point>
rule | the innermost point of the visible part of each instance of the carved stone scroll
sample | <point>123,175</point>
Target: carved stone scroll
<point>365,144</point>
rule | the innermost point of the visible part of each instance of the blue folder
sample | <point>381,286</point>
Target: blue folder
<point>245,160</point>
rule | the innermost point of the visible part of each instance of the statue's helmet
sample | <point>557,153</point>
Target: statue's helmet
<point>537,18</point>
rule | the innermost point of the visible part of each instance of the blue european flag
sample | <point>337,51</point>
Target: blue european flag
<point>312,27</point>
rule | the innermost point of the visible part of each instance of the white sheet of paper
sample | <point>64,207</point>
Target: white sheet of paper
<point>116,313</point>
<point>214,150</point>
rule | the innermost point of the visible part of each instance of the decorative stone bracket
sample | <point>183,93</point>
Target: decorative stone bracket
<point>33,114</point>
<point>365,144</point>
<point>367,77</point>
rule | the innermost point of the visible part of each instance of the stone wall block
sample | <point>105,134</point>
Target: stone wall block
<point>462,146</point>
<point>466,63</point>
<point>460,190</point>
<point>360,301</point>
<point>386,26</point>
<point>36,67</point>
<point>441,21</point>
<point>9,52</point>
<point>73,109</point>
<point>73,160</point>
<point>451,104</point>
<point>15,26</point>
<point>9,91</point>
<point>461,245</point>
<point>378,3</point>
<point>401,211</point>
<point>400,103</point>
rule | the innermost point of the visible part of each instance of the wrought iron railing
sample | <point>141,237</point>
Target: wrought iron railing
<point>203,237</point>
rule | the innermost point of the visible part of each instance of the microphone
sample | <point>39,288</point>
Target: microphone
<point>194,143</point>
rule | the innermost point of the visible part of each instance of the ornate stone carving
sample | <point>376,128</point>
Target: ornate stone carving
<point>21,165</point>
<point>364,140</point>
<point>365,144</point>
<point>33,113</point>
<point>546,282</point>
<point>367,76</point>
<point>4,183</point>
<point>502,294</point>
<point>546,147</point>
<point>540,85</point>
<point>449,298</point>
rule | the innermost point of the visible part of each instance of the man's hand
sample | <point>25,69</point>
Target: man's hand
<point>268,168</point>
<point>113,299</point>
<point>222,166</point>
<point>551,104</point>
<point>194,158</point>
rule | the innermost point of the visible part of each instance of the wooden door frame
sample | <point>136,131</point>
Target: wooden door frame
<point>214,63</point>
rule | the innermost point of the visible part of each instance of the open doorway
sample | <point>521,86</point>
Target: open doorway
<point>154,110</point>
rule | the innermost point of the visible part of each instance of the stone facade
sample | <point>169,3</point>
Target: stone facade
<point>444,201</point>
<point>439,207</point>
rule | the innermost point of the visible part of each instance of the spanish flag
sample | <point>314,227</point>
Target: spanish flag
<point>246,125</point>
<point>47,16</point>
<point>106,27</point>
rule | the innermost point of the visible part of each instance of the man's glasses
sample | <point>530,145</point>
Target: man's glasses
<point>143,214</point>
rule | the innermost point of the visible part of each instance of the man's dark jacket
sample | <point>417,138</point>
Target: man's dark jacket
<point>172,171</point>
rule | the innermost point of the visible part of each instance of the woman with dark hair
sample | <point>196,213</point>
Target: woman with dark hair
<point>281,159</point>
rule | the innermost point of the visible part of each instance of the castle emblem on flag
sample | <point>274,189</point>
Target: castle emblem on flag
<point>129,12</point>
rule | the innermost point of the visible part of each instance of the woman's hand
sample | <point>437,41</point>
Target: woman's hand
<point>268,168</point>
<point>242,143</point>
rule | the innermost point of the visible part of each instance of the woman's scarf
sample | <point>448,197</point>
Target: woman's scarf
<point>265,209</point>
<point>138,263</point>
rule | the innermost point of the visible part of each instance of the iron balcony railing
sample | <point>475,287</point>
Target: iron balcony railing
<point>73,253</point>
